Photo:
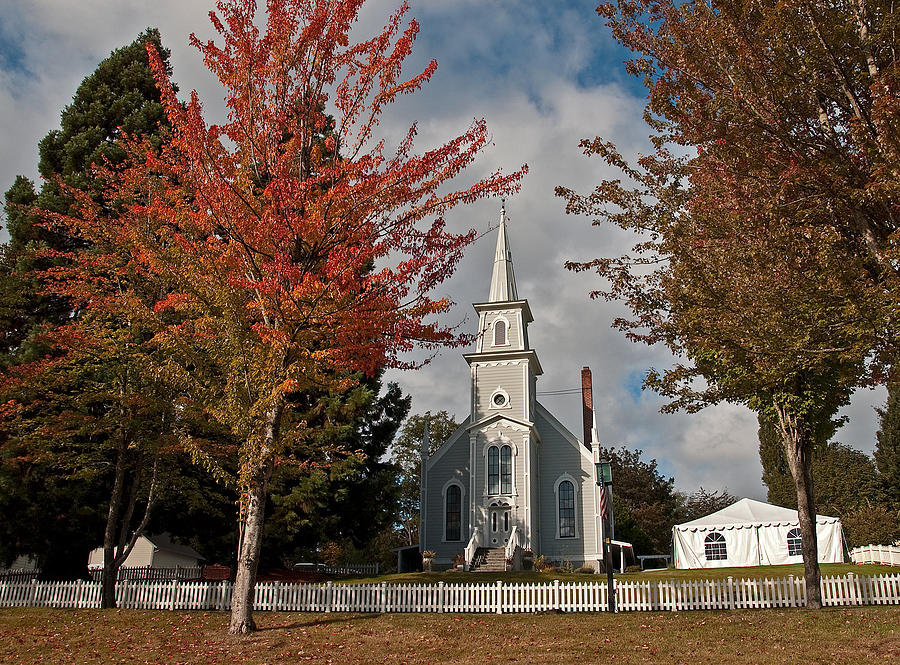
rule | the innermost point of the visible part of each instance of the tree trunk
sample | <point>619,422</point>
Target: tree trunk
<point>798,451</point>
<point>110,571</point>
<point>251,539</point>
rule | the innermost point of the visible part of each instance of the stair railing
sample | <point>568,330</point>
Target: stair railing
<point>472,547</point>
<point>514,548</point>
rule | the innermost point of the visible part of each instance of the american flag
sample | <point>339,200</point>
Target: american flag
<point>604,501</point>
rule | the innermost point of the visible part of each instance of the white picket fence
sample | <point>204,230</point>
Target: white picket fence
<point>494,597</point>
<point>352,569</point>
<point>888,555</point>
<point>150,574</point>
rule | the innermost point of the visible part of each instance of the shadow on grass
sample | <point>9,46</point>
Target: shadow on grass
<point>312,623</point>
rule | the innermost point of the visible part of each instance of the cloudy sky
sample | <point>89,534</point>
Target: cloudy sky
<point>544,75</point>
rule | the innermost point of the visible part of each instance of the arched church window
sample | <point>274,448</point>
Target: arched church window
<point>715,548</point>
<point>795,542</point>
<point>566,494</point>
<point>453,501</point>
<point>506,470</point>
<point>493,470</point>
<point>500,332</point>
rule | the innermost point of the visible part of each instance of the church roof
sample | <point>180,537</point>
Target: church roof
<point>503,279</point>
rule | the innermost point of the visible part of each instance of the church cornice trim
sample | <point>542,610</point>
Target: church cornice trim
<point>493,421</point>
<point>505,306</point>
<point>484,358</point>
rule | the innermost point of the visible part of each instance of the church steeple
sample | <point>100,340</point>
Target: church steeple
<point>503,279</point>
<point>504,367</point>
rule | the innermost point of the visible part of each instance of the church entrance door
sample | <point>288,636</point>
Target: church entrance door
<point>499,526</point>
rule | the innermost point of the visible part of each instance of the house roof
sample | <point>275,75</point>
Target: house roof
<point>747,513</point>
<point>163,541</point>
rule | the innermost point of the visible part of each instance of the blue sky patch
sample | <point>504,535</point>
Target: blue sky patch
<point>633,382</point>
<point>12,44</point>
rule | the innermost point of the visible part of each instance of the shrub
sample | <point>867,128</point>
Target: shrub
<point>588,570</point>
<point>633,569</point>
<point>541,564</point>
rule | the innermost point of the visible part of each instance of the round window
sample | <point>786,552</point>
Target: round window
<point>499,399</point>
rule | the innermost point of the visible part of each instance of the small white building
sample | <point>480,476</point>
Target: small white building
<point>752,533</point>
<point>153,552</point>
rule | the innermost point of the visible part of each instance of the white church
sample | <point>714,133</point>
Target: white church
<point>511,478</point>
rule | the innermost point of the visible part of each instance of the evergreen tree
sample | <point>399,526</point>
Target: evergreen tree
<point>345,492</point>
<point>649,497</point>
<point>845,479</point>
<point>65,505</point>
<point>887,448</point>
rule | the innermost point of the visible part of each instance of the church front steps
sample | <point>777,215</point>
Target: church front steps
<point>489,560</point>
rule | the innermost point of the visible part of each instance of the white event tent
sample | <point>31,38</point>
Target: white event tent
<point>752,533</point>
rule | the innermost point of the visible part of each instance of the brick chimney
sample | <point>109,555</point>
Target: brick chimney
<point>587,404</point>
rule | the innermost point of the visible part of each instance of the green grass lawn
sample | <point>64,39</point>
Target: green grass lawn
<point>29,636</point>
<point>669,573</point>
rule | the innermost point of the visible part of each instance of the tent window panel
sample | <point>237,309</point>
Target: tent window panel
<point>493,470</point>
<point>715,548</point>
<point>454,513</point>
<point>795,542</point>
<point>566,510</point>
<point>506,470</point>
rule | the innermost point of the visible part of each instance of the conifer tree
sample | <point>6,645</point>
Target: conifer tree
<point>49,456</point>
<point>887,448</point>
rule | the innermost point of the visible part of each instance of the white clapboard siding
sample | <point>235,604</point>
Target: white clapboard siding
<point>488,597</point>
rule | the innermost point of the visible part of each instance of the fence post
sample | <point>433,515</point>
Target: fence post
<point>556,595</point>
<point>328,595</point>
<point>174,590</point>
<point>854,595</point>
<point>499,586</point>
<point>32,592</point>
<point>730,592</point>
<point>276,589</point>
<point>382,597</point>
<point>441,597</point>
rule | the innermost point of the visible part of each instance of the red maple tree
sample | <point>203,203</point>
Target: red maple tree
<point>295,248</point>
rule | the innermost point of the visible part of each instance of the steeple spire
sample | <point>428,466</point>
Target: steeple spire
<point>503,279</point>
